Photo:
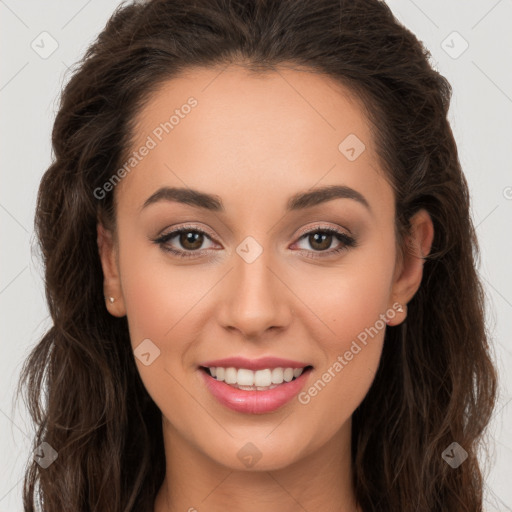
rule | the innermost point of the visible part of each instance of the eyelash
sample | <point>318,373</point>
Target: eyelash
<point>347,242</point>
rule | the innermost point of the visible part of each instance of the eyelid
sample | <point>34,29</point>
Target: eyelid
<point>303,231</point>
<point>320,226</point>
<point>191,227</point>
<point>174,231</point>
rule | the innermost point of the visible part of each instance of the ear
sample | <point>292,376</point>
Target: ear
<point>107,249</point>
<point>410,272</point>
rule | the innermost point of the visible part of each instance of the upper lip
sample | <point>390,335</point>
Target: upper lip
<point>254,364</point>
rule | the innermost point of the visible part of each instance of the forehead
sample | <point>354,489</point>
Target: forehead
<point>257,136</point>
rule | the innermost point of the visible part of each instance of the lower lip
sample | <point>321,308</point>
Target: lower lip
<point>254,402</point>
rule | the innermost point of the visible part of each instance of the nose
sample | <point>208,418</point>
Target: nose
<point>255,298</point>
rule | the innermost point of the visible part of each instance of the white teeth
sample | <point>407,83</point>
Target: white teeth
<point>297,372</point>
<point>288,374</point>
<point>244,377</point>
<point>259,379</point>
<point>230,376</point>
<point>277,376</point>
<point>262,378</point>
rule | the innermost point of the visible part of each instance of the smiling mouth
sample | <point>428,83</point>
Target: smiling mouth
<point>259,380</point>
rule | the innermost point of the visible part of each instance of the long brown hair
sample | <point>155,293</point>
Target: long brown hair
<point>436,383</point>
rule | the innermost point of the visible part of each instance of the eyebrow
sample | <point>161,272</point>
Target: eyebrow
<point>299,201</point>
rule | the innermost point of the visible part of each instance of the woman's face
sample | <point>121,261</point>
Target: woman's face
<point>274,266</point>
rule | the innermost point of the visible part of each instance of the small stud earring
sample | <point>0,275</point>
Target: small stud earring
<point>111,299</point>
<point>400,309</point>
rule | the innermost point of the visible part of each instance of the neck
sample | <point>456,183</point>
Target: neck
<point>321,480</point>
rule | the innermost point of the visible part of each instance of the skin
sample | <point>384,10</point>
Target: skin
<point>254,141</point>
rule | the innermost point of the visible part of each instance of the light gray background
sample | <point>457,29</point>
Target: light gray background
<point>480,114</point>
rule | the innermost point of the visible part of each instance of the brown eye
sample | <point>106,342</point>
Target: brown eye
<point>320,240</point>
<point>184,242</point>
<point>191,240</point>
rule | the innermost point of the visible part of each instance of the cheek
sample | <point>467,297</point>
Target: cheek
<point>158,300</point>
<point>158,296</point>
<point>347,311</point>
<point>347,298</point>
<point>352,347</point>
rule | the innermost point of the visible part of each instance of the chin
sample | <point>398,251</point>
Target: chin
<point>260,452</point>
